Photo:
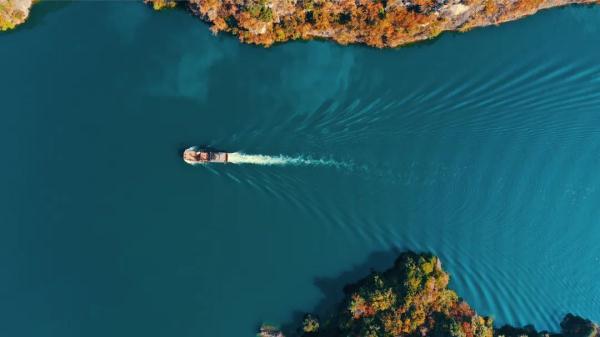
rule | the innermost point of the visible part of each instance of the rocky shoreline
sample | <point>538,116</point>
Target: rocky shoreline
<point>13,13</point>
<point>412,299</point>
<point>377,23</point>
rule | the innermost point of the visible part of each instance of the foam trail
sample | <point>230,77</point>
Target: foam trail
<point>258,159</point>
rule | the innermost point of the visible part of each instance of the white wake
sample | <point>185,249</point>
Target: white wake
<point>258,159</point>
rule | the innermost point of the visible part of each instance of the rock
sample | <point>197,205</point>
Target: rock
<point>13,13</point>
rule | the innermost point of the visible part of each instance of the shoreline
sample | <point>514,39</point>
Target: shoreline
<point>14,13</point>
<point>380,23</point>
<point>412,299</point>
<point>374,23</point>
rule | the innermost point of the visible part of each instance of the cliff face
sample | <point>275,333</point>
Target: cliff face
<point>378,23</point>
<point>13,13</point>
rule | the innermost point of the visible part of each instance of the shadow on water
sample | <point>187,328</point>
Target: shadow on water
<point>40,11</point>
<point>334,288</point>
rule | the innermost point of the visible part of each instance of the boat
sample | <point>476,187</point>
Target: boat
<point>193,156</point>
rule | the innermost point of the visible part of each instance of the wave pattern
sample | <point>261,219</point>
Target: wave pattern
<point>482,148</point>
<point>495,171</point>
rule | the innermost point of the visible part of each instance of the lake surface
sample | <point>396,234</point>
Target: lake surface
<point>483,148</point>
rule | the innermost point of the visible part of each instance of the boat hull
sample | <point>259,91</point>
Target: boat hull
<point>194,156</point>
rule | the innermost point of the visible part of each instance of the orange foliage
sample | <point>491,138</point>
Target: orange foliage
<point>378,23</point>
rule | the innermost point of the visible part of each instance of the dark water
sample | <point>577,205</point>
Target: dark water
<point>483,148</point>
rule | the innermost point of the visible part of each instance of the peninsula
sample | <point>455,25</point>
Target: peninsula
<point>377,23</point>
<point>412,299</point>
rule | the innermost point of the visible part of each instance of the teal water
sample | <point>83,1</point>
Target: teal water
<point>483,148</point>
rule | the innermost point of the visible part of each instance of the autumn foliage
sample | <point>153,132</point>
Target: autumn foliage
<point>412,299</point>
<point>378,23</point>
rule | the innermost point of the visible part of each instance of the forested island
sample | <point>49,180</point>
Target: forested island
<point>412,299</point>
<point>377,23</point>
